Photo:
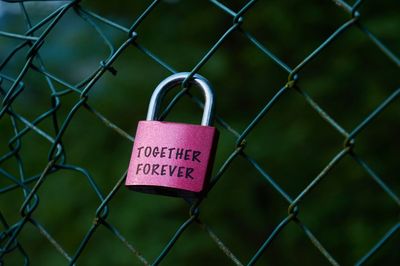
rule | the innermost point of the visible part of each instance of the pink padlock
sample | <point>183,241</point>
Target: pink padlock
<point>169,158</point>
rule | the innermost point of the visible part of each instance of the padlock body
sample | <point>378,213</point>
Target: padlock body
<point>171,158</point>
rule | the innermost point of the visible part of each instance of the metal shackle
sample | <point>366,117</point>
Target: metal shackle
<point>176,79</point>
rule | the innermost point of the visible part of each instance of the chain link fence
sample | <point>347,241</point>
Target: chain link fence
<point>22,125</point>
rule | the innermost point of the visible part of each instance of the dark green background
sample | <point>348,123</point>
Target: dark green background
<point>348,212</point>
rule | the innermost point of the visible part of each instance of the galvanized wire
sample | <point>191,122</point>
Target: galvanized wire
<point>11,87</point>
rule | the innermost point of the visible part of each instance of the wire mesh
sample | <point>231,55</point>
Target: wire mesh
<point>12,86</point>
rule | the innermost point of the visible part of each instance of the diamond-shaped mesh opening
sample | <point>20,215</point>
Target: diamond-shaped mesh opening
<point>353,222</point>
<point>196,39</point>
<point>357,87</point>
<point>281,28</point>
<point>282,144</point>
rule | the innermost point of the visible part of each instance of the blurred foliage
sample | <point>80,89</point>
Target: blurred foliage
<point>348,212</point>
